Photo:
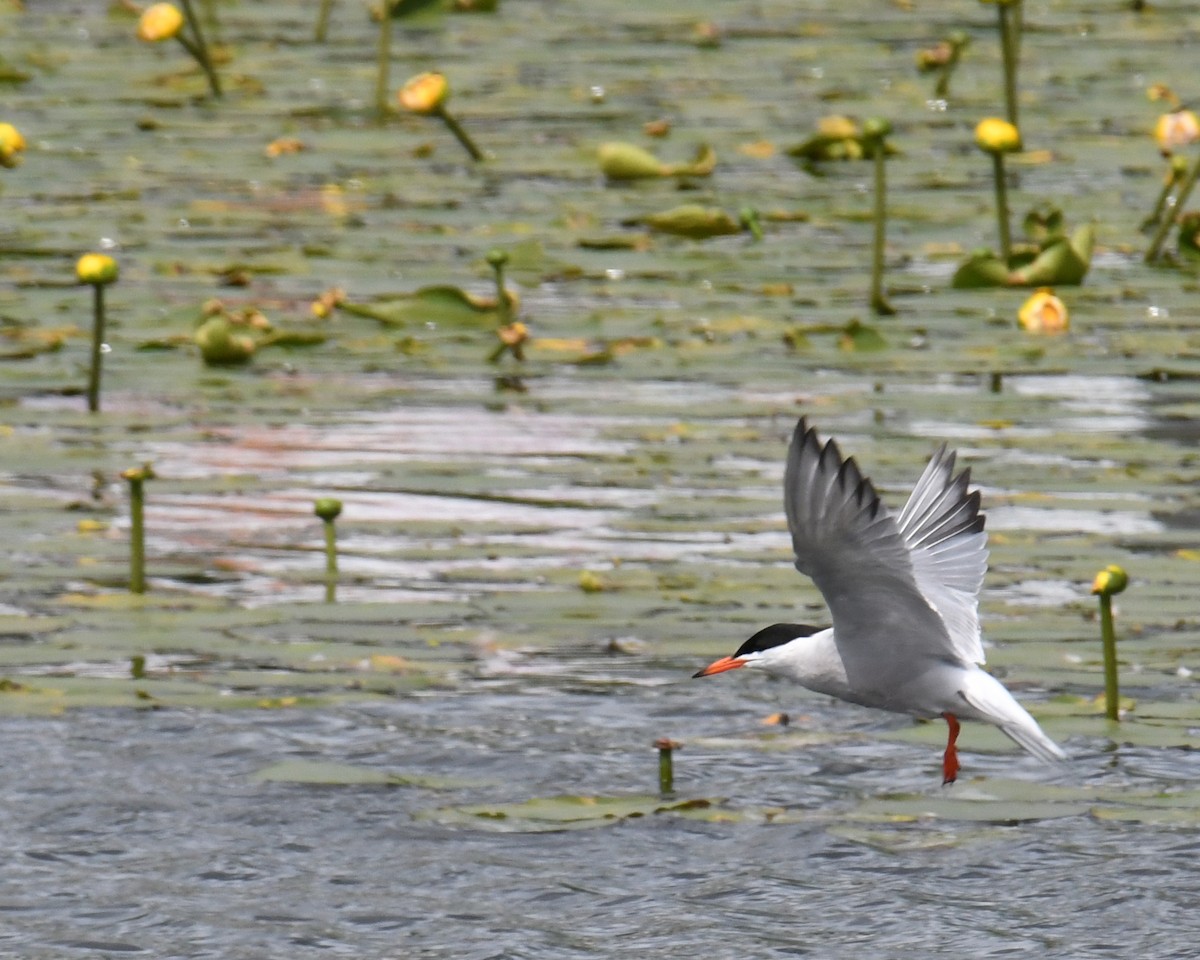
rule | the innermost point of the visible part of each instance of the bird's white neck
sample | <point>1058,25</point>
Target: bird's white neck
<point>812,662</point>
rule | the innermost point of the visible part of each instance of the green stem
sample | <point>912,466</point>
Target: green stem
<point>1109,638</point>
<point>461,134</point>
<point>200,49</point>
<point>137,536</point>
<point>1181,199</point>
<point>879,301</point>
<point>503,304</point>
<point>93,388</point>
<point>323,21</point>
<point>331,562</point>
<point>1002,206</point>
<point>383,62</point>
<point>1160,205</point>
<point>666,768</point>
<point>1008,47</point>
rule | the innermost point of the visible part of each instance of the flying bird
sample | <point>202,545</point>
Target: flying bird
<point>903,593</point>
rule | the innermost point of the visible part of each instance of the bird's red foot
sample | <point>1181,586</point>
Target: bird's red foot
<point>950,757</point>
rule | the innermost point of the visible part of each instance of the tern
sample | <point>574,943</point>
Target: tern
<point>903,593</point>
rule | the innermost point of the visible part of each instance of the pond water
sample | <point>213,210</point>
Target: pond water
<point>455,759</point>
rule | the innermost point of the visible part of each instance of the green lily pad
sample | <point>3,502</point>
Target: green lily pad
<point>442,305</point>
<point>575,812</point>
<point>692,220</point>
<point>1060,262</point>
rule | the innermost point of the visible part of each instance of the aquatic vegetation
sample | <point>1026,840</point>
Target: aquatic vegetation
<point>875,133</point>
<point>321,30</point>
<point>1176,129</point>
<point>426,94</point>
<point>164,21</point>
<point>942,59</point>
<point>666,748</point>
<point>328,510</point>
<point>1189,235</point>
<point>1043,312</point>
<point>327,302</point>
<point>1009,18</point>
<point>837,138</point>
<point>97,270</point>
<point>1109,581</point>
<point>225,340</point>
<point>997,137</point>
<point>12,145</point>
<point>1177,168</point>
<point>1051,257</point>
<point>136,477</point>
<point>626,161</point>
<point>699,222</point>
<point>496,259</point>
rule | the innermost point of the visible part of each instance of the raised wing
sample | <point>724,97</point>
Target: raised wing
<point>863,564</point>
<point>943,528</point>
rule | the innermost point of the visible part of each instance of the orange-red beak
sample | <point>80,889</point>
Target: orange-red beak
<point>720,666</point>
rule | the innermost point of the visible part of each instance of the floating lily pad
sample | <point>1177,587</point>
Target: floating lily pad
<point>574,812</point>
<point>442,305</point>
<point>1060,261</point>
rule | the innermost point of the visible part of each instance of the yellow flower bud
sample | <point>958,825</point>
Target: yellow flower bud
<point>160,21</point>
<point>1112,579</point>
<point>514,334</point>
<point>96,268</point>
<point>1176,129</point>
<point>221,345</point>
<point>327,508</point>
<point>11,143</point>
<point>424,94</point>
<point>994,135</point>
<point>837,127</point>
<point>1044,313</point>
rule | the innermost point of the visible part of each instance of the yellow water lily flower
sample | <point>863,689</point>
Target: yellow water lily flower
<point>160,21</point>
<point>994,135</point>
<point>1044,313</point>
<point>96,268</point>
<point>11,144</point>
<point>1112,579</point>
<point>425,93</point>
<point>1176,129</point>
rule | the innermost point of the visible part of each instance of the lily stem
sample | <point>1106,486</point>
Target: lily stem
<point>331,562</point>
<point>93,388</point>
<point>199,49</point>
<point>879,300</point>
<point>1160,206</point>
<point>1108,637</point>
<point>137,535</point>
<point>666,767</point>
<point>1002,206</point>
<point>1009,46</point>
<point>322,30</point>
<point>383,61</point>
<point>461,134</point>
<point>1181,199</point>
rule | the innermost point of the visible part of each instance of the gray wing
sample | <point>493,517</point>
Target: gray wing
<point>872,573</point>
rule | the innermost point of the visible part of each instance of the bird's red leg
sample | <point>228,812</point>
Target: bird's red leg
<point>950,757</point>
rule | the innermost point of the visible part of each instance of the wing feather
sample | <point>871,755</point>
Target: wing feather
<point>865,566</point>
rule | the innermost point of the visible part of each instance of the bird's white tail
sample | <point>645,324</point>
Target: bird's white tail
<point>996,705</point>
